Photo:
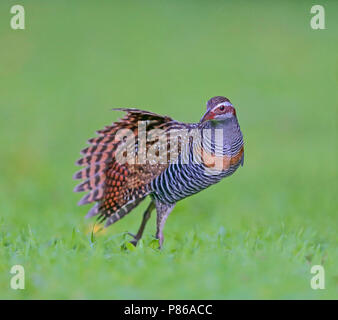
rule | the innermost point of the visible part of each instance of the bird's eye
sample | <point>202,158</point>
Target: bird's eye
<point>221,108</point>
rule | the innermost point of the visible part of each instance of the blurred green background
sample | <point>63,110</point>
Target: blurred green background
<point>254,235</point>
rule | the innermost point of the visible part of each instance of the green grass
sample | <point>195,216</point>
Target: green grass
<point>254,235</point>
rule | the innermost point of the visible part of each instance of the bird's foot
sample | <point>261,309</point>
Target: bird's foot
<point>135,239</point>
<point>160,239</point>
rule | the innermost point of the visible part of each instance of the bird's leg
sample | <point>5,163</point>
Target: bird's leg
<point>163,211</point>
<point>146,216</point>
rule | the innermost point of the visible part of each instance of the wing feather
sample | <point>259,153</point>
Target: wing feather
<point>117,188</point>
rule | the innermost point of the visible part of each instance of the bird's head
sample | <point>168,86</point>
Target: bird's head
<point>219,108</point>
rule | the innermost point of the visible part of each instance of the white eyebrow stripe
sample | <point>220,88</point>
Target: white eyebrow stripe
<point>225,103</point>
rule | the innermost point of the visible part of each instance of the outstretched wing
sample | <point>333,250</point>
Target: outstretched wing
<point>117,187</point>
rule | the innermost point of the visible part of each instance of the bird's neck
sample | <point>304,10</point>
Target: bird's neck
<point>222,136</point>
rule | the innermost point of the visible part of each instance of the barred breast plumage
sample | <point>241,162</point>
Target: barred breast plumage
<point>179,181</point>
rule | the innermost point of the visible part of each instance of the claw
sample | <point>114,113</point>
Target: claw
<point>132,235</point>
<point>135,239</point>
<point>134,242</point>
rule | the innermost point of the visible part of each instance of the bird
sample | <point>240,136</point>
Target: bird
<point>145,154</point>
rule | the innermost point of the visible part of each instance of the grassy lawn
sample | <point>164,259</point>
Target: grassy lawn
<point>254,235</point>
